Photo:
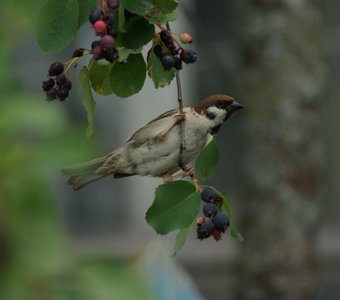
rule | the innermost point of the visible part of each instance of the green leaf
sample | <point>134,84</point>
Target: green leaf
<point>87,98</point>
<point>123,53</point>
<point>139,7</point>
<point>232,228</point>
<point>121,17</point>
<point>181,237</point>
<point>100,76</point>
<point>138,32</point>
<point>175,206</point>
<point>163,18</point>
<point>128,78</point>
<point>235,233</point>
<point>167,6</point>
<point>159,76</point>
<point>163,11</point>
<point>85,8</point>
<point>57,24</point>
<point>206,161</point>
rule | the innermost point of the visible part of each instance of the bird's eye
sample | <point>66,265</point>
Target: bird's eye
<point>222,104</point>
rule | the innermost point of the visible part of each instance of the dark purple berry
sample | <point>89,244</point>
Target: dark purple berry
<point>107,42</point>
<point>221,221</point>
<point>113,4</point>
<point>48,84</point>
<point>94,44</point>
<point>210,210</point>
<point>98,52</point>
<point>205,230</point>
<point>78,52</point>
<point>178,63</point>
<point>62,93</point>
<point>51,94</point>
<point>56,69</point>
<point>166,38</point>
<point>111,55</point>
<point>60,80</point>
<point>210,195</point>
<point>95,16</point>
<point>168,61</point>
<point>112,31</point>
<point>157,49</point>
<point>189,56</point>
<point>67,84</point>
<point>110,19</point>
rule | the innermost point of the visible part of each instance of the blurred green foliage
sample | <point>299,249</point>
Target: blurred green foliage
<point>36,139</point>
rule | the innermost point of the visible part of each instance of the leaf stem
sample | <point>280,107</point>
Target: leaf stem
<point>74,61</point>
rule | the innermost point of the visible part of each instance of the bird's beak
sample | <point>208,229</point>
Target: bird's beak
<point>235,106</point>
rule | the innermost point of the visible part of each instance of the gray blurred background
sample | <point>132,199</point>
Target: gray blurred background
<point>279,160</point>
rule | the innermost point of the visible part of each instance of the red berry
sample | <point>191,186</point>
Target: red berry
<point>107,42</point>
<point>200,220</point>
<point>186,38</point>
<point>100,27</point>
<point>217,234</point>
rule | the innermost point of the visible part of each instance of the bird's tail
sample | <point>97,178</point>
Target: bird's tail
<point>84,173</point>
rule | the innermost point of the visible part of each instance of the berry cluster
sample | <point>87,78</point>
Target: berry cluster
<point>105,24</point>
<point>214,222</point>
<point>57,86</point>
<point>171,54</point>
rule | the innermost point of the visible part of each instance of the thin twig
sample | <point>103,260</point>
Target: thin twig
<point>182,128</point>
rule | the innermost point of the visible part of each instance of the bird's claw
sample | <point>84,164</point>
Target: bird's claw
<point>180,116</point>
<point>188,172</point>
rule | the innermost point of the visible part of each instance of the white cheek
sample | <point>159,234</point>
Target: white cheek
<point>219,114</point>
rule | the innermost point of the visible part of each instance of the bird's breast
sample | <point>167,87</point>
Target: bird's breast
<point>160,156</point>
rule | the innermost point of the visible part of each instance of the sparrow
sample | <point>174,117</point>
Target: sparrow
<point>153,150</point>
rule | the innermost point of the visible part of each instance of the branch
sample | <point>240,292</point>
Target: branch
<point>180,106</point>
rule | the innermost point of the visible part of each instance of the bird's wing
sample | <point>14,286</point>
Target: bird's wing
<point>155,129</point>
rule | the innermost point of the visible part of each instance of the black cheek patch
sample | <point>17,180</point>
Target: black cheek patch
<point>210,115</point>
<point>215,129</point>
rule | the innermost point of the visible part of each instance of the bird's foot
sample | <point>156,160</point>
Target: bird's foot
<point>196,184</point>
<point>167,178</point>
<point>187,172</point>
<point>180,116</point>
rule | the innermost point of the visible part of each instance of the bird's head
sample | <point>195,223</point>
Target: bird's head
<point>217,108</point>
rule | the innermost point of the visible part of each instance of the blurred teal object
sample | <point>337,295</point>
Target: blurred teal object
<point>166,279</point>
